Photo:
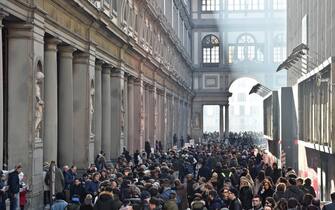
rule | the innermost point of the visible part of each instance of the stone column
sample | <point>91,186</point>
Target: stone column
<point>139,115</point>
<point>26,50</point>
<point>81,109</point>
<point>50,146</point>
<point>125,98</point>
<point>155,112</point>
<point>226,119</point>
<point>131,114</point>
<point>165,120</point>
<point>2,15</point>
<point>151,116</point>
<point>106,111</point>
<point>65,109</point>
<point>98,108</point>
<point>118,112</point>
<point>221,121</point>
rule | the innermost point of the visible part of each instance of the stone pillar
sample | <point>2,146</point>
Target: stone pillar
<point>65,109</point>
<point>118,112</point>
<point>2,15</point>
<point>151,108</point>
<point>221,121</point>
<point>165,120</point>
<point>98,108</point>
<point>139,115</point>
<point>156,127</point>
<point>131,116</point>
<point>26,58</point>
<point>226,119</point>
<point>172,117</point>
<point>106,111</point>
<point>50,146</point>
<point>81,109</point>
<point>125,98</point>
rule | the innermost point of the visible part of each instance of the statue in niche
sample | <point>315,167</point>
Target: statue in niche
<point>39,102</point>
<point>196,120</point>
<point>92,92</point>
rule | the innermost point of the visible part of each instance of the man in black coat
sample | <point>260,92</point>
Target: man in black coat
<point>14,187</point>
<point>235,203</point>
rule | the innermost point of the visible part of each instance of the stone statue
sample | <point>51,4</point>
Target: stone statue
<point>196,120</point>
<point>39,104</point>
<point>92,92</point>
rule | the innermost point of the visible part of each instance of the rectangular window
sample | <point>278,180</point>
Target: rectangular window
<point>206,55</point>
<point>279,54</point>
<point>279,4</point>
<point>231,52</point>
<point>215,54</point>
<point>210,5</point>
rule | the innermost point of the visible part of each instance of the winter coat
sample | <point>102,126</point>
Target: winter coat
<point>105,201</point>
<point>204,171</point>
<point>235,205</point>
<point>309,189</point>
<point>294,192</point>
<point>91,187</point>
<point>216,204</point>
<point>68,179</point>
<point>265,193</point>
<point>78,191</point>
<point>59,180</point>
<point>246,197</point>
<point>278,195</point>
<point>182,197</point>
<point>59,205</point>
<point>13,182</point>
<point>170,205</point>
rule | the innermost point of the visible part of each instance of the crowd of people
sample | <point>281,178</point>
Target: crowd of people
<point>216,175</point>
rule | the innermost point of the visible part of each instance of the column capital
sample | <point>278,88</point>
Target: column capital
<point>106,68</point>
<point>66,51</point>
<point>130,79</point>
<point>3,14</point>
<point>81,57</point>
<point>51,44</point>
<point>98,65</point>
<point>116,72</point>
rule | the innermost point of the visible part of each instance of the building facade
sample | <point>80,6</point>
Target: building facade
<point>232,39</point>
<point>311,80</point>
<point>78,77</point>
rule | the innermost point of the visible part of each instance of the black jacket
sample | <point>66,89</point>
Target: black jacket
<point>294,192</point>
<point>235,205</point>
<point>105,201</point>
<point>14,182</point>
<point>246,197</point>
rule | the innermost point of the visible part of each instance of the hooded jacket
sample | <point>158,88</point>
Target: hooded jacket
<point>105,201</point>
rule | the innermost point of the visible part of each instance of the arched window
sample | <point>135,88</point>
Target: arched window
<point>279,49</point>
<point>246,47</point>
<point>210,49</point>
<point>210,5</point>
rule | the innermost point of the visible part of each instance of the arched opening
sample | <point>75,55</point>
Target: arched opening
<point>211,117</point>
<point>245,111</point>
